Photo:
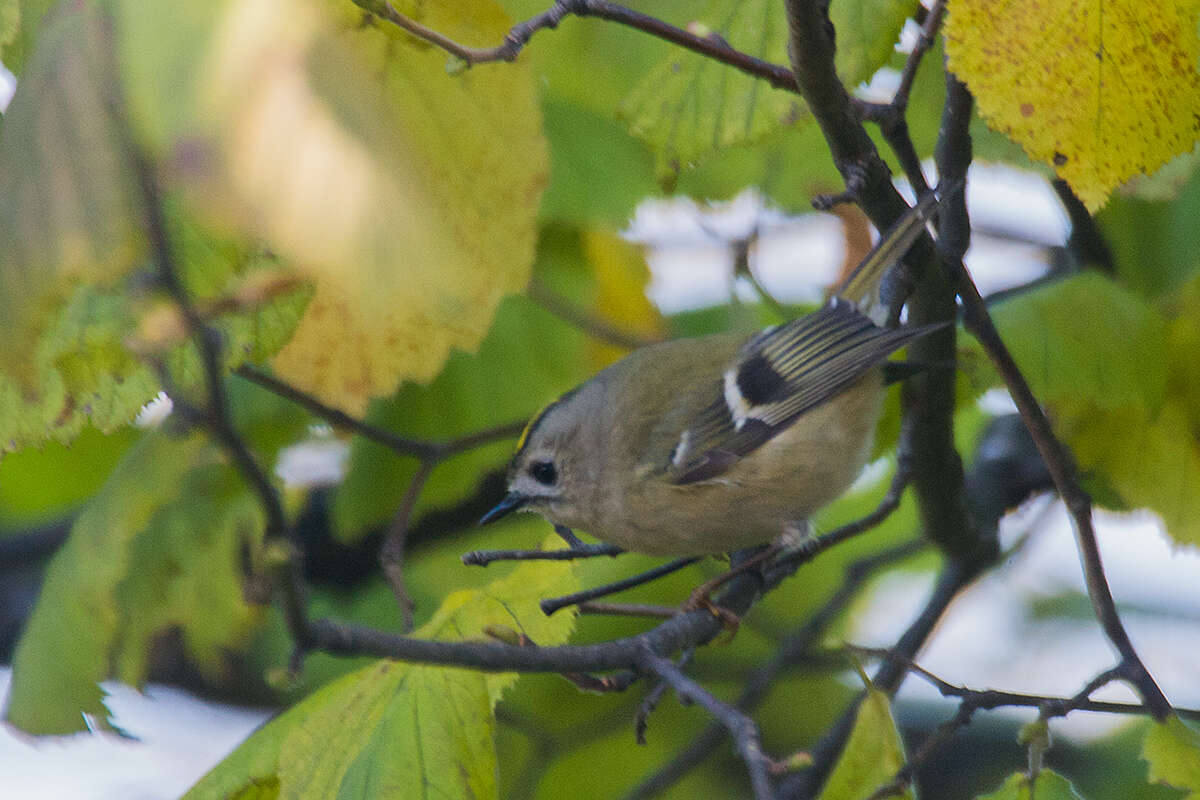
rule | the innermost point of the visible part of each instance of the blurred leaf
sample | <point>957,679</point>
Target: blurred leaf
<point>68,211</point>
<point>1101,90</point>
<point>1102,360</point>
<point>1049,786</point>
<point>1173,750</point>
<point>867,32</point>
<point>31,481</point>
<point>399,730</point>
<point>1151,462</point>
<point>362,162</point>
<point>599,173</point>
<point>88,372</point>
<point>1155,245</point>
<point>528,358</point>
<point>1167,182</point>
<point>621,275</point>
<point>873,754</point>
<point>157,549</point>
<point>20,21</point>
<point>789,165</point>
<point>1087,340</point>
<point>690,105</point>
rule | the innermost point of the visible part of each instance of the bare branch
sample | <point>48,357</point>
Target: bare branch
<point>714,46</point>
<point>978,321</point>
<point>591,324</point>
<point>740,727</point>
<point>929,32</point>
<point>790,651</point>
<point>550,605</point>
<point>391,553</point>
<point>481,558</point>
<point>418,448</point>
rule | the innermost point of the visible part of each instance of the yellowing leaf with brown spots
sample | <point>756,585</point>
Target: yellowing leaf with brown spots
<point>1103,90</point>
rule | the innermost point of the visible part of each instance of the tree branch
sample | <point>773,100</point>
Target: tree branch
<point>790,651</point>
<point>591,324</point>
<point>418,448</point>
<point>978,321</point>
<point>743,729</point>
<point>214,414</point>
<point>712,46</point>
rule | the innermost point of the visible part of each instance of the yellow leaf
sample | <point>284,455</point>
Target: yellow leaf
<point>407,194</point>
<point>621,277</point>
<point>1101,89</point>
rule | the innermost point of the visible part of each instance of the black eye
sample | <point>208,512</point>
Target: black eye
<point>543,472</point>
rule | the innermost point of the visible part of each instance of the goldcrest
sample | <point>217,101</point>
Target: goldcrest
<point>707,445</point>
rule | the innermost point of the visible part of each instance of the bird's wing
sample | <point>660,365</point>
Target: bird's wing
<point>776,377</point>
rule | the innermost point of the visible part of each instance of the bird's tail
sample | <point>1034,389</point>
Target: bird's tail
<point>862,286</point>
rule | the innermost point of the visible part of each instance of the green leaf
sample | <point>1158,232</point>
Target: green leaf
<point>68,210</point>
<point>31,481</point>
<point>867,32</point>
<point>399,730</point>
<point>157,549</point>
<point>599,172</point>
<point>87,370</point>
<point>873,754</point>
<point>528,358</point>
<point>1173,750</point>
<point>1155,245</point>
<point>690,105</point>
<point>1150,461</point>
<point>1048,786</point>
<point>19,24</point>
<point>1101,360</point>
<point>1087,340</point>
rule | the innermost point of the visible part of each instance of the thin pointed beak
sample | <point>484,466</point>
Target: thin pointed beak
<point>511,502</point>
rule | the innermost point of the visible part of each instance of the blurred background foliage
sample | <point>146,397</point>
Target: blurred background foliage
<point>357,210</point>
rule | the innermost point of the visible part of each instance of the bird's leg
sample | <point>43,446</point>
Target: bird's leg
<point>699,598</point>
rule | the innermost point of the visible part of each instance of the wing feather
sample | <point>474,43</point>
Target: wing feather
<point>790,369</point>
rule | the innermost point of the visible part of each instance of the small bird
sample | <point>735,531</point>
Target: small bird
<point>708,445</point>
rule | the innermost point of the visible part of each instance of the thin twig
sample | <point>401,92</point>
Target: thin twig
<point>790,651</point>
<point>591,324</point>
<point>972,700</point>
<point>714,47</point>
<point>892,117</point>
<point>481,558</point>
<point>626,609</point>
<point>743,729</point>
<point>552,604</point>
<point>954,577</point>
<point>929,31</point>
<point>215,415</point>
<point>650,701</point>
<point>418,448</point>
<point>391,553</point>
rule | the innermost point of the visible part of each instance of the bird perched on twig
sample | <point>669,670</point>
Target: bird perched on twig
<point>711,444</point>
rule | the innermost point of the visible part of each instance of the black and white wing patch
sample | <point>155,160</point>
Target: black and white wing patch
<point>779,375</point>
